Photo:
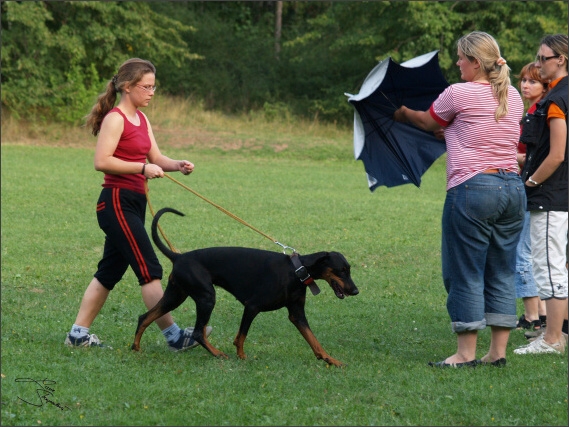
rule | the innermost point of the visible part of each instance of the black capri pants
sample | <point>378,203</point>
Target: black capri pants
<point>120,214</point>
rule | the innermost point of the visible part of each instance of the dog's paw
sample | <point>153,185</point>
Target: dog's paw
<point>219,354</point>
<point>333,362</point>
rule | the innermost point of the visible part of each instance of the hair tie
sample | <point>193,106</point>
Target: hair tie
<point>114,81</point>
<point>500,61</point>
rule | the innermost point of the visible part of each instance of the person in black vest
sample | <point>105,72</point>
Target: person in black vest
<point>545,176</point>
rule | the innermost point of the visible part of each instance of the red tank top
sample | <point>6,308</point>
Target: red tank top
<point>134,145</point>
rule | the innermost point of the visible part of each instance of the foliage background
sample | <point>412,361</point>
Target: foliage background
<point>57,55</point>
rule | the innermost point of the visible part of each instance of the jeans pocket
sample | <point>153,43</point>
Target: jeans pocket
<point>482,201</point>
<point>522,200</point>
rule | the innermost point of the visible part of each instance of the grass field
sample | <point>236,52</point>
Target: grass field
<point>300,185</point>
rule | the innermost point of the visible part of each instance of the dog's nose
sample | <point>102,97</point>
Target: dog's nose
<point>355,291</point>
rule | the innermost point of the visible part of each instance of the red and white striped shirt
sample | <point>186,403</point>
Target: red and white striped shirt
<point>474,140</point>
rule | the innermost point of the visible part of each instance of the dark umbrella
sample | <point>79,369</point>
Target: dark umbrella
<point>396,153</point>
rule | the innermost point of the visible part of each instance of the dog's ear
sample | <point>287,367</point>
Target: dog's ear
<point>311,260</point>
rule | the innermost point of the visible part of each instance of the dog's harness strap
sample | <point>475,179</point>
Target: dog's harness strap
<point>303,275</point>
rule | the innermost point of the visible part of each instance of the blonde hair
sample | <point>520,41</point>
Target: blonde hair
<point>483,47</point>
<point>130,72</point>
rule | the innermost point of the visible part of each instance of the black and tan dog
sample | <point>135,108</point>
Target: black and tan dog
<point>261,280</point>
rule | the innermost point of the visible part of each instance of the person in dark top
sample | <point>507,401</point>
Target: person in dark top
<point>533,88</point>
<point>545,176</point>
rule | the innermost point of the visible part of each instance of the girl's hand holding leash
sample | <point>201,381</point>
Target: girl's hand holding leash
<point>151,171</point>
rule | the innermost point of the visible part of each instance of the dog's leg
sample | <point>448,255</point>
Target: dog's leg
<point>173,297</point>
<point>248,317</point>
<point>297,316</point>
<point>205,302</point>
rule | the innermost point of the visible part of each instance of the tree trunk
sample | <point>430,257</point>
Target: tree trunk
<point>278,28</point>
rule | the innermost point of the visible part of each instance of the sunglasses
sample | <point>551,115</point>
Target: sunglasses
<point>541,58</point>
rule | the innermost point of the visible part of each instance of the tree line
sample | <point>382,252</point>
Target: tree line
<point>283,57</point>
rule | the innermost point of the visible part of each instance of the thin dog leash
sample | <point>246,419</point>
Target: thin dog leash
<point>300,271</point>
<point>225,211</point>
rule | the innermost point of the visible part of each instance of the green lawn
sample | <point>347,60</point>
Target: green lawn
<point>386,334</point>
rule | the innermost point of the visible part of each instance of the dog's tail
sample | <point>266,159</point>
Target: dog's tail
<point>163,248</point>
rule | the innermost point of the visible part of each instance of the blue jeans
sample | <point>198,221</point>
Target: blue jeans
<point>481,225</point>
<point>525,283</point>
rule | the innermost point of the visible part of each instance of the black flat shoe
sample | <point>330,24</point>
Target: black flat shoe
<point>443,364</point>
<point>500,363</point>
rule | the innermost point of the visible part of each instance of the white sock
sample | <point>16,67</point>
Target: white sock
<point>172,333</point>
<point>78,331</point>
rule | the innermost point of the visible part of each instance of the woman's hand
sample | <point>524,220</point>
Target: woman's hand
<point>399,115</point>
<point>439,133</point>
<point>186,167</point>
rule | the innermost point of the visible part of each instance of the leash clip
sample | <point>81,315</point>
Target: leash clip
<point>285,247</point>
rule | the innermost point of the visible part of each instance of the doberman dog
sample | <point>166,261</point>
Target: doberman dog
<point>261,280</point>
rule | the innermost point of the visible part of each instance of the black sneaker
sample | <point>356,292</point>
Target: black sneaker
<point>185,341</point>
<point>89,340</point>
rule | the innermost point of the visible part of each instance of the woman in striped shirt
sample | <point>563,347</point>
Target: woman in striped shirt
<point>485,202</point>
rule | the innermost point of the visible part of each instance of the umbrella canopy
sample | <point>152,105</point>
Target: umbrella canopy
<point>396,153</point>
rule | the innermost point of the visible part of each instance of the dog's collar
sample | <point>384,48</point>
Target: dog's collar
<point>303,275</point>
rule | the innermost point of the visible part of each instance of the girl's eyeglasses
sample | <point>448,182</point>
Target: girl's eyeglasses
<point>148,88</point>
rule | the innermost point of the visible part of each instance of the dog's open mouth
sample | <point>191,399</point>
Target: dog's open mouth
<point>337,289</point>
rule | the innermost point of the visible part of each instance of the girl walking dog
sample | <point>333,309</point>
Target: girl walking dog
<point>128,155</point>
